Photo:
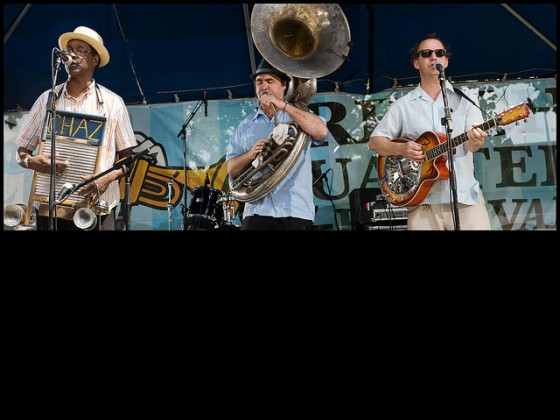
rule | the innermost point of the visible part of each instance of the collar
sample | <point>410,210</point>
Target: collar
<point>418,92</point>
<point>93,85</point>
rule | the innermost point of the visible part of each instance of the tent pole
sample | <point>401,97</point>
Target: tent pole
<point>249,37</point>
<point>528,25</point>
<point>16,23</point>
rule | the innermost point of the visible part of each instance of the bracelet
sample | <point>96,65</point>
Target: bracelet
<point>287,103</point>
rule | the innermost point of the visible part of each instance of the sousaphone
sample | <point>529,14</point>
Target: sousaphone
<point>305,41</point>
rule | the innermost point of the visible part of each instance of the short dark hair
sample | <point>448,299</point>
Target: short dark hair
<point>414,50</point>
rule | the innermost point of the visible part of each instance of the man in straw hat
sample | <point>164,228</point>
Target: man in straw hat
<point>289,205</point>
<point>82,94</point>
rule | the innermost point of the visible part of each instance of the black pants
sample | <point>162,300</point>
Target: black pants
<point>257,222</point>
<point>107,223</point>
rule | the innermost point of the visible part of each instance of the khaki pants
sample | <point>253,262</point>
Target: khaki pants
<point>440,217</point>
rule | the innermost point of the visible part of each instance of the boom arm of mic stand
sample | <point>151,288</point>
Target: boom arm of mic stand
<point>193,113</point>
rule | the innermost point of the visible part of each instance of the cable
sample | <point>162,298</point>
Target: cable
<point>329,188</point>
<point>144,101</point>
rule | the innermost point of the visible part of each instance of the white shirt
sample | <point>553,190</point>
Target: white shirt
<point>415,113</point>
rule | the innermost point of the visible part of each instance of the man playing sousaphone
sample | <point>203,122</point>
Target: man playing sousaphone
<point>289,205</point>
<point>269,157</point>
<point>84,52</point>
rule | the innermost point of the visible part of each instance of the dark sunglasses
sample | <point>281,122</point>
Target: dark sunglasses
<point>428,53</point>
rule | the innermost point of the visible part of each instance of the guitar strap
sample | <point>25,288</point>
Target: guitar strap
<point>460,92</point>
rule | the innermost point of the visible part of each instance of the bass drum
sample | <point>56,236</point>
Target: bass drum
<point>205,209</point>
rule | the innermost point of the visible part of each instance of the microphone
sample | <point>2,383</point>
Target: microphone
<point>206,180</point>
<point>205,103</point>
<point>65,191</point>
<point>323,175</point>
<point>66,59</point>
<point>438,66</point>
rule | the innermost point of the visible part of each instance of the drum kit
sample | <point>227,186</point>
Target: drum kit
<point>212,209</point>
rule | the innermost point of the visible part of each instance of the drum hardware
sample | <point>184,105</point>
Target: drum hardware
<point>228,206</point>
<point>169,204</point>
<point>231,209</point>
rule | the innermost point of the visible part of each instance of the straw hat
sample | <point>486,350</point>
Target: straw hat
<point>88,35</point>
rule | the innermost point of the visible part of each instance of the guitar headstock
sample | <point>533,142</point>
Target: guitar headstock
<point>514,114</point>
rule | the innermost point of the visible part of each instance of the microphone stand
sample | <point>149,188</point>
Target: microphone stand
<point>446,121</point>
<point>49,122</point>
<point>122,163</point>
<point>127,203</point>
<point>183,135</point>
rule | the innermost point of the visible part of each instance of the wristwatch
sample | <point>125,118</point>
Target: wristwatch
<point>25,160</point>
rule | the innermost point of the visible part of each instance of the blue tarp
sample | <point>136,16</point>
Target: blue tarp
<point>174,52</point>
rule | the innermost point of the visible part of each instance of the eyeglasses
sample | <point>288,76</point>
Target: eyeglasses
<point>78,51</point>
<point>428,53</point>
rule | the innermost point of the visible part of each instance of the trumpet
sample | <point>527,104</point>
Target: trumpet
<point>14,214</point>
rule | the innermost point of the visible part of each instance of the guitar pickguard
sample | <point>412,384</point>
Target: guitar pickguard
<point>402,176</point>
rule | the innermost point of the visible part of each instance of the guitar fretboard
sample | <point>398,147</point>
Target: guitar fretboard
<point>441,148</point>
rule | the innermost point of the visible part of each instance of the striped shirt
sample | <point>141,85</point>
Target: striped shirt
<point>98,100</point>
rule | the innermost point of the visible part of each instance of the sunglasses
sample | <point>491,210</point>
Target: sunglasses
<point>428,53</point>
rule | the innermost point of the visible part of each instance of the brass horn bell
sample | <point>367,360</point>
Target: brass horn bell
<point>302,40</point>
<point>305,41</point>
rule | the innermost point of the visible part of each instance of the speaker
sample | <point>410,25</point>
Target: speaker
<point>370,211</point>
<point>359,214</point>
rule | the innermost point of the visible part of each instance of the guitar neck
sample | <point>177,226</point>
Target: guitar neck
<point>441,148</point>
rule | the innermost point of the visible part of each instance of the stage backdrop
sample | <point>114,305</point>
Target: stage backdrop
<point>517,166</point>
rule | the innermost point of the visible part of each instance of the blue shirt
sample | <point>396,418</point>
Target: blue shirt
<point>293,195</point>
<point>415,113</point>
